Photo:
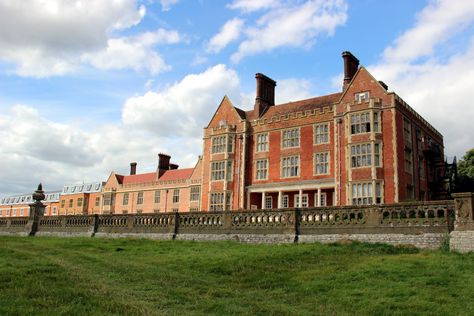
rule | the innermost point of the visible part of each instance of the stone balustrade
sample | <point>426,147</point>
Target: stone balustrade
<point>423,224</point>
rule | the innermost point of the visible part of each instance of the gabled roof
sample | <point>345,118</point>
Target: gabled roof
<point>139,178</point>
<point>297,106</point>
<point>177,174</point>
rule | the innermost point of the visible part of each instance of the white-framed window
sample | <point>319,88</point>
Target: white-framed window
<point>290,138</point>
<point>218,170</point>
<point>217,200</point>
<point>321,163</point>
<point>377,154</point>
<point>195,193</point>
<point>323,196</point>
<point>262,142</point>
<point>140,198</point>
<point>321,133</point>
<point>218,144</point>
<point>176,196</point>
<point>1,212</point>
<point>290,166</point>
<point>22,212</point>
<point>55,210</point>
<point>304,200</point>
<point>285,201</point>
<point>360,123</point>
<point>97,201</point>
<point>157,196</point>
<point>261,169</point>
<point>230,143</point>
<point>79,202</point>
<point>362,193</point>
<point>222,143</point>
<point>361,96</point>
<point>376,122</point>
<point>268,202</point>
<point>361,155</point>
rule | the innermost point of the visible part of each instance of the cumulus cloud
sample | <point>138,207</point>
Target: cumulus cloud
<point>48,38</point>
<point>229,32</point>
<point>437,87</point>
<point>35,149</point>
<point>135,52</point>
<point>292,25</point>
<point>183,108</point>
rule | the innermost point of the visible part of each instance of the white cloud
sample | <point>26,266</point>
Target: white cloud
<point>47,38</point>
<point>292,25</point>
<point>435,24</point>
<point>184,108</point>
<point>229,32</point>
<point>35,149</point>
<point>134,52</point>
<point>167,4</point>
<point>437,88</point>
<point>253,5</point>
<point>292,89</point>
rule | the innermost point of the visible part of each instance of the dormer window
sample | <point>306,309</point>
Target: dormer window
<point>361,97</point>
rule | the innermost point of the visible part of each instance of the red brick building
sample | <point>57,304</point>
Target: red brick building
<point>19,205</point>
<point>168,189</point>
<point>363,145</point>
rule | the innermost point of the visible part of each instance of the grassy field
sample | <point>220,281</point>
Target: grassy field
<point>78,276</point>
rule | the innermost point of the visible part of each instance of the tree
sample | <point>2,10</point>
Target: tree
<point>466,172</point>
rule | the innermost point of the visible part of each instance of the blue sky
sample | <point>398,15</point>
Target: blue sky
<point>88,86</point>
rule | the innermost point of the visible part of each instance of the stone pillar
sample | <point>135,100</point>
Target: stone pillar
<point>36,211</point>
<point>462,237</point>
<point>464,204</point>
<point>263,200</point>
<point>279,199</point>
<point>300,198</point>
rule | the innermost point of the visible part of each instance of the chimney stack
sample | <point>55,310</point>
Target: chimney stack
<point>173,166</point>
<point>351,64</point>
<point>163,163</point>
<point>265,93</point>
<point>133,168</point>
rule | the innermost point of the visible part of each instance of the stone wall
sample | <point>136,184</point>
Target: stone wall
<point>423,225</point>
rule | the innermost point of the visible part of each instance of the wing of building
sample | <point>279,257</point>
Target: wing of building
<point>363,145</point>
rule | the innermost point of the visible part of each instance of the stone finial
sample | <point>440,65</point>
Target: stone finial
<point>38,196</point>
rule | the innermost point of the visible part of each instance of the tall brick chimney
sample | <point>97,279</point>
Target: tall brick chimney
<point>265,93</point>
<point>351,64</point>
<point>163,163</point>
<point>133,168</point>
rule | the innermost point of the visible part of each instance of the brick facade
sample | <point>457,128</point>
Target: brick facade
<point>363,145</point>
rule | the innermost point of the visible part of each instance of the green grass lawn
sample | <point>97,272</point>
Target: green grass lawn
<point>93,276</point>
